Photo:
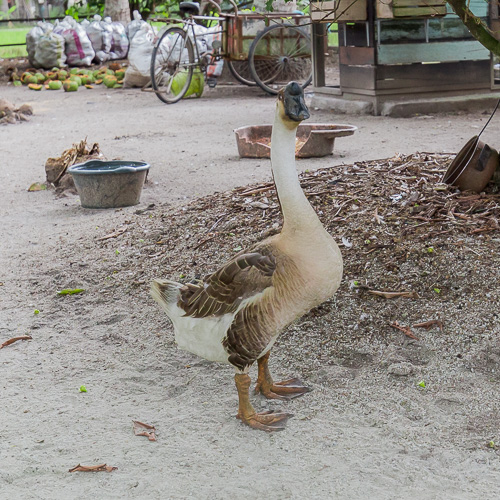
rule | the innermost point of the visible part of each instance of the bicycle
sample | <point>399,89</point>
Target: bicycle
<point>278,54</point>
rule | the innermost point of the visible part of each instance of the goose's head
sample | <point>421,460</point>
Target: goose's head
<point>291,105</point>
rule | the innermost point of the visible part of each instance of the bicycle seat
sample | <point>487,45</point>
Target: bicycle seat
<point>190,8</point>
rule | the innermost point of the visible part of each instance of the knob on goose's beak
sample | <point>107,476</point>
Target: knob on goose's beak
<point>293,102</point>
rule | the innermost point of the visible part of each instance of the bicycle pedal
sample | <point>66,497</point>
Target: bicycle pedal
<point>211,82</point>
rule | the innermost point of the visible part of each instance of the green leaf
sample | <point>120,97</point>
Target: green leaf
<point>269,5</point>
<point>37,311</point>
<point>437,290</point>
<point>83,388</point>
<point>70,291</point>
<point>37,186</point>
<point>422,384</point>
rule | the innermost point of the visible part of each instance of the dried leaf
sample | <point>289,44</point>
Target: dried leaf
<point>55,168</point>
<point>429,324</point>
<point>93,468</point>
<point>115,234</point>
<point>405,329</point>
<point>15,339</point>
<point>393,295</point>
<point>151,206</point>
<point>346,242</point>
<point>142,429</point>
<point>37,186</point>
<point>266,187</point>
<point>206,240</point>
<point>258,204</point>
<point>378,218</point>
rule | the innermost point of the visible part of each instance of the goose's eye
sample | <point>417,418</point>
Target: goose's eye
<point>280,97</point>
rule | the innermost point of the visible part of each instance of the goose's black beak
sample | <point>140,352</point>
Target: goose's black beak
<point>293,102</point>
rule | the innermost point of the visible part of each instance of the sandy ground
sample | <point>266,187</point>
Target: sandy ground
<point>361,433</point>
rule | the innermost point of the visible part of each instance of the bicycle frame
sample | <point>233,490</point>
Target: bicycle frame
<point>189,25</point>
<point>243,58</point>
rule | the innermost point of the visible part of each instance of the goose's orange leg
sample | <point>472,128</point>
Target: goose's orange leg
<point>267,421</point>
<point>287,389</point>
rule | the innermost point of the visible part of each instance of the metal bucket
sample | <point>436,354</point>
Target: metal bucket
<point>473,167</point>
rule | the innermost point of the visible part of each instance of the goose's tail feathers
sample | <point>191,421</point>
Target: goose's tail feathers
<point>166,293</point>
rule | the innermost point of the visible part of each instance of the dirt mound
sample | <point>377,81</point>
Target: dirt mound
<point>9,114</point>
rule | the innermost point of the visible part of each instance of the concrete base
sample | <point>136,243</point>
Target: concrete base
<point>404,108</point>
<point>469,103</point>
<point>342,106</point>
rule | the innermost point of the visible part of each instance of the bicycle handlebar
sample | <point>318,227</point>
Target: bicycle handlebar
<point>214,4</point>
<point>235,7</point>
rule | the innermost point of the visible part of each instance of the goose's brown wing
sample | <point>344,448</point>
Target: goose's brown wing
<point>249,335</point>
<point>223,291</point>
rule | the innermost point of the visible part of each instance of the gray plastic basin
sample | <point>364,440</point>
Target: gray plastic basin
<point>109,184</point>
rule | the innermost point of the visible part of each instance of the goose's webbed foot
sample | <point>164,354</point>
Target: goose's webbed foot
<point>269,421</point>
<point>287,389</point>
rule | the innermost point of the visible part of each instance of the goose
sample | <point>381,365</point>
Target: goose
<point>235,315</point>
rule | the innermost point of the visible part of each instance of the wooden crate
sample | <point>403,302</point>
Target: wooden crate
<point>397,9</point>
<point>338,10</point>
<point>243,28</point>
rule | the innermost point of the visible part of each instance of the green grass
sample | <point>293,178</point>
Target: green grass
<point>13,35</point>
<point>333,39</point>
<point>11,52</point>
<point>17,34</point>
<point>333,35</point>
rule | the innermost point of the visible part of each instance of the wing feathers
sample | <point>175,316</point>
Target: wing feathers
<point>247,337</point>
<point>223,291</point>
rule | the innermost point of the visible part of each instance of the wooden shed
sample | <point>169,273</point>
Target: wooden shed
<point>391,50</point>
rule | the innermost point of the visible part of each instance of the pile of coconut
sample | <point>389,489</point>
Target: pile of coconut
<point>70,80</point>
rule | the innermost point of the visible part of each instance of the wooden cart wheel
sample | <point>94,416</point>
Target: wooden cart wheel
<point>279,54</point>
<point>241,71</point>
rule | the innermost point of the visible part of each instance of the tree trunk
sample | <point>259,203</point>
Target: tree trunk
<point>477,28</point>
<point>118,10</point>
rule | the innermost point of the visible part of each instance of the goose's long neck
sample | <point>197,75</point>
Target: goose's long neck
<point>298,213</point>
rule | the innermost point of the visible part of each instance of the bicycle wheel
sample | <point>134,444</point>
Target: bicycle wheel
<point>172,65</point>
<point>279,54</point>
<point>241,71</point>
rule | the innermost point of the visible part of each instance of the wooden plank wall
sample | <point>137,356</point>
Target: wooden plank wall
<point>431,77</point>
<point>414,8</point>
<point>412,55</point>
